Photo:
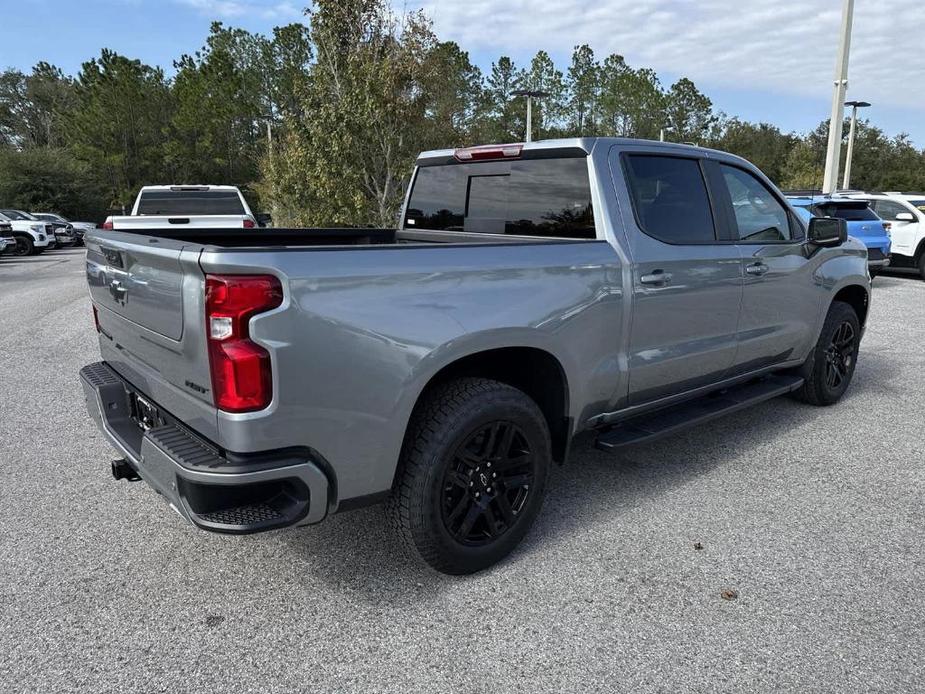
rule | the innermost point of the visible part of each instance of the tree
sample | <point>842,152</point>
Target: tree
<point>117,127</point>
<point>32,106</point>
<point>761,143</point>
<point>583,90</point>
<point>452,90</point>
<point>632,103</point>
<point>689,111</point>
<point>290,60</point>
<point>221,95</point>
<point>804,168</point>
<point>46,178</point>
<point>366,114</point>
<point>499,108</point>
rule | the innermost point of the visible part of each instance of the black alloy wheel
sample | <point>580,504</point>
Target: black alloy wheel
<point>487,484</point>
<point>840,355</point>
<point>829,368</point>
<point>472,474</point>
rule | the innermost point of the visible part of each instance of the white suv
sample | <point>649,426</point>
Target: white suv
<point>906,214</point>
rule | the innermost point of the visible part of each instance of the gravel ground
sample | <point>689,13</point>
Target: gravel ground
<point>814,517</point>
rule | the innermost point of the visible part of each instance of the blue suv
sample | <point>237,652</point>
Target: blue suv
<point>863,224</point>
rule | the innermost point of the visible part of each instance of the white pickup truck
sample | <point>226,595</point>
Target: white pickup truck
<point>204,207</point>
<point>32,236</point>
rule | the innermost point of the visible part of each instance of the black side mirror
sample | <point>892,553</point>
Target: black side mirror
<point>827,231</point>
<point>264,219</point>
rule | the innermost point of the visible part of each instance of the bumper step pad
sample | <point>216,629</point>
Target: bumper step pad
<point>245,516</point>
<point>213,489</point>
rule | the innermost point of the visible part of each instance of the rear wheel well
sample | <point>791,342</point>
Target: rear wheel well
<point>855,296</point>
<point>919,252</point>
<point>533,371</point>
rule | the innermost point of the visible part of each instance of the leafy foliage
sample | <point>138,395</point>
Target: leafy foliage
<point>322,120</point>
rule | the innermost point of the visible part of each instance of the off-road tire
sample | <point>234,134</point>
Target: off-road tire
<point>818,388</point>
<point>443,424</point>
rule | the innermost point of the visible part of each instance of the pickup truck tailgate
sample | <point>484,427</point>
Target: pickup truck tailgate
<point>141,284</point>
<point>196,221</point>
<point>148,294</point>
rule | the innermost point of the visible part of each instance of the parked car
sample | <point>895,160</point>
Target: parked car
<point>208,207</point>
<point>31,237</point>
<point>863,224</point>
<point>80,228</point>
<point>7,240</point>
<point>47,228</point>
<point>64,231</point>
<point>531,292</point>
<point>906,214</point>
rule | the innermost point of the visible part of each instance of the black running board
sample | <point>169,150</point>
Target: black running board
<point>648,427</point>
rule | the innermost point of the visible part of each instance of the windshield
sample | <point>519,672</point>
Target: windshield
<point>49,217</point>
<point>16,214</point>
<point>918,204</point>
<point>190,202</point>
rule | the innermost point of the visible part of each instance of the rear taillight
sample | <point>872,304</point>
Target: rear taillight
<point>242,378</point>
<point>249,224</point>
<point>96,320</point>
<point>107,224</point>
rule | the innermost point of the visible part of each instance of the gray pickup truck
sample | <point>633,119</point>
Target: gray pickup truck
<point>262,380</point>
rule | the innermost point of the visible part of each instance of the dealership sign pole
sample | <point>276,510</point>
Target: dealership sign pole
<point>836,124</point>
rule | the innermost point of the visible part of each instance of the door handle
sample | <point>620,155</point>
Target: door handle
<point>757,269</point>
<point>657,278</point>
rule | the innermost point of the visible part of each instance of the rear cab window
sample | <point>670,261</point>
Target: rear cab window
<point>190,202</point>
<point>524,197</point>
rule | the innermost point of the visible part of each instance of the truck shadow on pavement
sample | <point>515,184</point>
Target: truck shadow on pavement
<point>357,549</point>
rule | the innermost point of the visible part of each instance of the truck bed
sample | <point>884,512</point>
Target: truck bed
<point>303,237</point>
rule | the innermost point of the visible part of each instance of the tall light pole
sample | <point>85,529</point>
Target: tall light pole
<point>662,131</point>
<point>855,105</point>
<point>836,125</point>
<point>531,95</point>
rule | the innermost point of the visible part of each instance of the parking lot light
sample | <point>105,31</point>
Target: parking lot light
<point>530,95</point>
<point>855,105</point>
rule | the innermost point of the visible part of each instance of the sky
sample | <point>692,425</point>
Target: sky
<point>761,60</point>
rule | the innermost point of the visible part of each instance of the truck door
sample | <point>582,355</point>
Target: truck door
<point>779,306</point>
<point>687,282</point>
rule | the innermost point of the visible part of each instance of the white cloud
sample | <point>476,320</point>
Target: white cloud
<point>786,47</point>
<point>276,10</point>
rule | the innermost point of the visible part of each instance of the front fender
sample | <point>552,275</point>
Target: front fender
<point>840,268</point>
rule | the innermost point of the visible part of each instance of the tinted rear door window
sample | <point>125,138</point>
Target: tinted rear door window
<point>670,198</point>
<point>533,197</point>
<point>190,202</point>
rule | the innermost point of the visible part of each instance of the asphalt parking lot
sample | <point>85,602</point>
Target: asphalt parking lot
<point>813,517</point>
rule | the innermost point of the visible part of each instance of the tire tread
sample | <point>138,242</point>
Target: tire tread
<point>428,430</point>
